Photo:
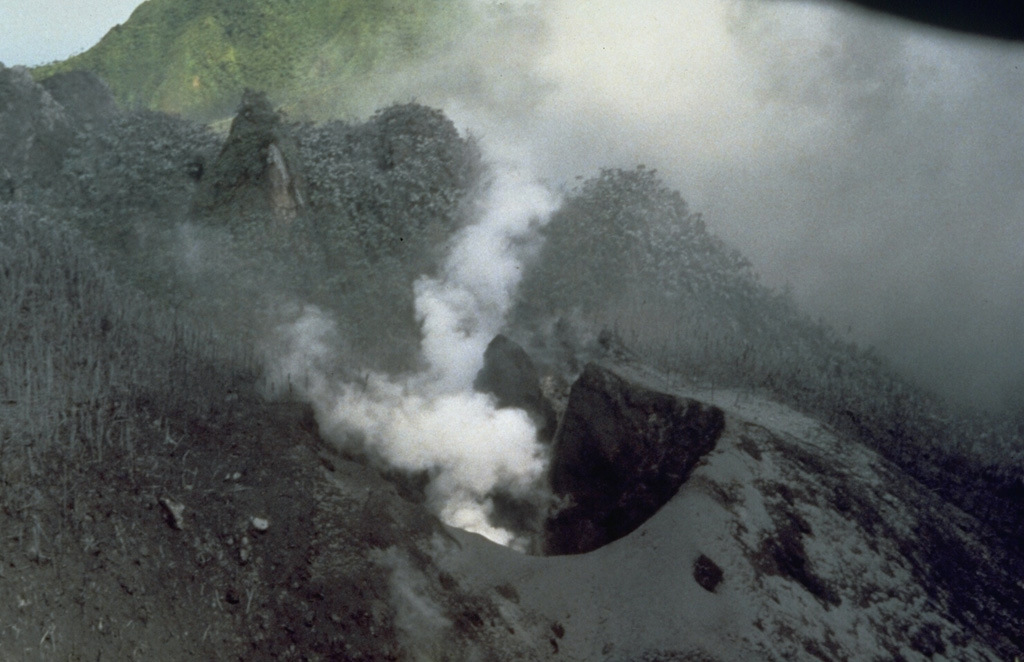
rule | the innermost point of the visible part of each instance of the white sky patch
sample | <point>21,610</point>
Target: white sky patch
<point>651,63</point>
<point>35,32</point>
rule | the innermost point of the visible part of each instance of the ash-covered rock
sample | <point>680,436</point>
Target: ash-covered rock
<point>621,452</point>
<point>256,175</point>
<point>509,374</point>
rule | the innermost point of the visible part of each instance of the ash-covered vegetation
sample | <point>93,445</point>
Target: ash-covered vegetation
<point>240,230</point>
<point>625,255</point>
<point>190,217</point>
<point>84,359</point>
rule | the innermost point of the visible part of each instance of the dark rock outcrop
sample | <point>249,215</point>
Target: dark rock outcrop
<point>707,573</point>
<point>256,175</point>
<point>510,376</point>
<point>621,452</point>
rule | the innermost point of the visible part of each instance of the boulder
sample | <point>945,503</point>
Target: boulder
<point>510,376</point>
<point>621,452</point>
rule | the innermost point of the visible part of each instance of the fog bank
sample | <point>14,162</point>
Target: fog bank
<point>871,165</point>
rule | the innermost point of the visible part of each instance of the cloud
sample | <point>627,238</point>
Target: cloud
<point>872,164</point>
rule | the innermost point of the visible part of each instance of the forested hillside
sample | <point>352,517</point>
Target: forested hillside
<point>194,58</point>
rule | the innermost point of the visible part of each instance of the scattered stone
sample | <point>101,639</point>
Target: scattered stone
<point>508,591</point>
<point>244,550</point>
<point>174,512</point>
<point>707,573</point>
<point>259,523</point>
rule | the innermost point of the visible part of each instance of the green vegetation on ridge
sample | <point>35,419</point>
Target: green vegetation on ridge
<point>195,57</point>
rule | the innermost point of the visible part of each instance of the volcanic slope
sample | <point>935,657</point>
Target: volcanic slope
<point>154,506</point>
<point>787,542</point>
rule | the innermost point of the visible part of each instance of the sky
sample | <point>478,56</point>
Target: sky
<point>39,31</point>
<point>871,166</point>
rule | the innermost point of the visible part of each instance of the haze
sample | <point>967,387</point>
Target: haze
<point>872,166</point>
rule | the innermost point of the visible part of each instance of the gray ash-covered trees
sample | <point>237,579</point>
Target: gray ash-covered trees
<point>344,215</point>
<point>393,187</point>
<point>385,196</point>
<point>625,253</point>
<point>35,135</point>
<point>624,236</point>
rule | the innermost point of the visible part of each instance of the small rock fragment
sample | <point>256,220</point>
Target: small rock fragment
<point>707,573</point>
<point>259,523</point>
<point>174,512</point>
<point>244,550</point>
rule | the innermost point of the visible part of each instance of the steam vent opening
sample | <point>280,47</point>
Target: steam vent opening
<point>619,453</point>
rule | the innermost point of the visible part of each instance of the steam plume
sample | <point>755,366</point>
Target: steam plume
<point>432,420</point>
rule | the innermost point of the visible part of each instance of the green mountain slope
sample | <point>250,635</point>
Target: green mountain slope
<point>195,57</point>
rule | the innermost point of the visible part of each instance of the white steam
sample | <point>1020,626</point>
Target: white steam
<point>434,421</point>
<point>463,310</point>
